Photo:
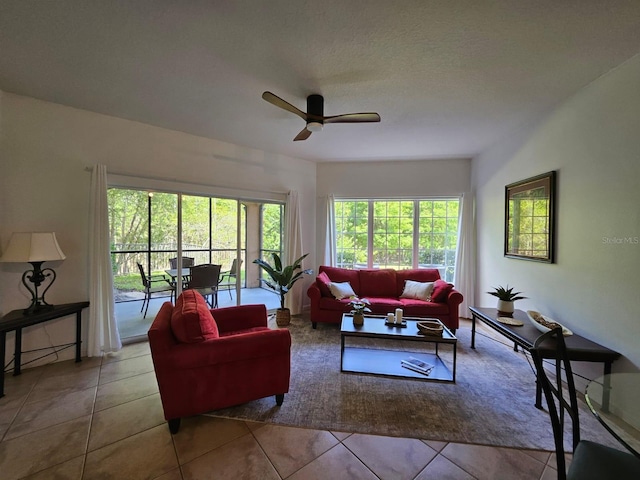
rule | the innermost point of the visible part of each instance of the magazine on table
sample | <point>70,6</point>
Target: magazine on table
<point>417,365</point>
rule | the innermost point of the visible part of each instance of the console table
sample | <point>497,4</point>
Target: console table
<point>579,348</point>
<point>17,320</point>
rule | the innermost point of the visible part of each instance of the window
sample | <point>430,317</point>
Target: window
<point>400,234</point>
<point>272,228</point>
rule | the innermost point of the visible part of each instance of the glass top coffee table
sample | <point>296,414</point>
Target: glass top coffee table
<point>358,357</point>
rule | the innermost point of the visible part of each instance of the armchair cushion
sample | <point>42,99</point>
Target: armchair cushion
<point>191,319</point>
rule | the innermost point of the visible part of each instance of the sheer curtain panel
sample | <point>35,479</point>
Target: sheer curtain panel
<point>103,329</point>
<point>293,249</point>
<point>465,254</point>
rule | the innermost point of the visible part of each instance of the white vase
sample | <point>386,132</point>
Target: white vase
<point>505,307</point>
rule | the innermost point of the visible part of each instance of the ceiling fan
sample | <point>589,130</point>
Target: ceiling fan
<point>315,114</point>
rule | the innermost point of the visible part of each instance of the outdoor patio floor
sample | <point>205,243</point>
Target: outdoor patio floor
<point>132,326</point>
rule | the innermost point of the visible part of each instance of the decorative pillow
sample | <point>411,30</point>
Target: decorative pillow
<point>323,281</point>
<point>341,290</point>
<point>441,291</point>
<point>417,290</point>
<point>191,320</point>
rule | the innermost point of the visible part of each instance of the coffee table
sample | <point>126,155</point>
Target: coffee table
<point>354,357</point>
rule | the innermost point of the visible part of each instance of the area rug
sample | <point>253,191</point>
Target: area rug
<point>491,403</point>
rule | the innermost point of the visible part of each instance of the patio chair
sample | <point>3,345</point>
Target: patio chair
<point>186,262</point>
<point>225,280</point>
<point>154,284</point>
<point>591,460</point>
<point>205,279</point>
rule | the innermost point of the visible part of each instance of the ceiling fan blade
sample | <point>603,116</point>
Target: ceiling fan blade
<point>303,135</point>
<point>353,118</point>
<point>278,102</point>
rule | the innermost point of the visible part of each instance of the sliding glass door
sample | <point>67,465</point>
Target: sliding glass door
<point>155,229</point>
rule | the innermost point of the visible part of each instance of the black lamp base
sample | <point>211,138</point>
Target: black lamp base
<point>37,276</point>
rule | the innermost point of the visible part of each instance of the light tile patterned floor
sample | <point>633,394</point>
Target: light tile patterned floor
<point>102,419</point>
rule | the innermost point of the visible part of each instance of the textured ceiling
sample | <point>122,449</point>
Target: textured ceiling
<point>449,78</point>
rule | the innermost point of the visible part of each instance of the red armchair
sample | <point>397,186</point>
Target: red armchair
<point>210,359</point>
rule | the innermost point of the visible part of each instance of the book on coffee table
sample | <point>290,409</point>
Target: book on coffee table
<point>417,365</point>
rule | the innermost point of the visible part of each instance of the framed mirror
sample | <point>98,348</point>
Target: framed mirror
<point>530,218</point>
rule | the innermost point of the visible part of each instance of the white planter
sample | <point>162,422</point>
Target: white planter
<point>505,306</point>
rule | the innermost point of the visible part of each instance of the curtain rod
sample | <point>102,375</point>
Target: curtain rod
<point>186,182</point>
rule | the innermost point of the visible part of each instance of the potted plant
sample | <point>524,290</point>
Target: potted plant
<point>282,279</point>
<point>506,297</point>
<point>358,308</point>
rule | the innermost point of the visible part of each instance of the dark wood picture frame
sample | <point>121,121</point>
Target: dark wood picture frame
<point>529,230</point>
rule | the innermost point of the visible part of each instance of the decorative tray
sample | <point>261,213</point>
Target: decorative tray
<point>542,323</point>
<point>511,321</point>
<point>430,328</point>
<point>394,324</point>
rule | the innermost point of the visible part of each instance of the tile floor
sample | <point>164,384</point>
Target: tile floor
<point>102,419</point>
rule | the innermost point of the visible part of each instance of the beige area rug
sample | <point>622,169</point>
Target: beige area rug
<point>492,402</point>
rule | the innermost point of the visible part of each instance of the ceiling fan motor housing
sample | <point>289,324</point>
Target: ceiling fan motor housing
<point>315,105</point>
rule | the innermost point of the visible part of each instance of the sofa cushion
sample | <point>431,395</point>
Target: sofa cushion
<point>343,275</point>
<point>417,290</point>
<point>419,308</point>
<point>417,275</point>
<point>323,281</point>
<point>377,283</point>
<point>441,291</point>
<point>383,305</point>
<point>191,319</point>
<point>341,290</point>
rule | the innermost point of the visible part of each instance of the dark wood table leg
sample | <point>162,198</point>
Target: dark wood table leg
<point>17,354</point>
<point>78,334</point>
<point>606,387</point>
<point>538,395</point>
<point>473,331</point>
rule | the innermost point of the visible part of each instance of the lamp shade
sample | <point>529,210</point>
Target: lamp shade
<point>32,247</point>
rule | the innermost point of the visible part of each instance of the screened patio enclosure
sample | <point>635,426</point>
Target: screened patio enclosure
<point>155,229</point>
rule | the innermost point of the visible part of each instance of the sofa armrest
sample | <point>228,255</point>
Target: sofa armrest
<point>240,317</point>
<point>314,293</point>
<point>234,348</point>
<point>454,299</point>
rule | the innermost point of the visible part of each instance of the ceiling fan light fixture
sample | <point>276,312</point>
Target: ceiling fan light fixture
<point>314,126</point>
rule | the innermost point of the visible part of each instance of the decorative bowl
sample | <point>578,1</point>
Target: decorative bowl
<point>430,327</point>
<point>544,323</point>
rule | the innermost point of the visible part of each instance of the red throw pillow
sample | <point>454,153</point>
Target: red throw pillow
<point>323,281</point>
<point>441,291</point>
<point>191,320</point>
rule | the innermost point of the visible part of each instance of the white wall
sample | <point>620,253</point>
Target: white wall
<point>593,141</point>
<point>397,179</point>
<point>45,149</point>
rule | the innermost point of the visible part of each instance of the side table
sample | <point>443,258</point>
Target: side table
<point>17,320</point>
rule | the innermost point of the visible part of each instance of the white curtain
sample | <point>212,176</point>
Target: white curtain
<point>330,232</point>
<point>103,329</point>
<point>465,257</point>
<point>293,249</point>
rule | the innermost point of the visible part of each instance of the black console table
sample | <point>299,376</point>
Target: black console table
<point>17,320</point>
<point>579,348</point>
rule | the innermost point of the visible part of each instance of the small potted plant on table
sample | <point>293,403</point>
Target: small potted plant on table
<point>358,309</point>
<point>506,297</point>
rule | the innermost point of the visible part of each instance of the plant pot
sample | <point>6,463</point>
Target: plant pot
<point>283,317</point>
<point>505,308</point>
<point>358,319</point>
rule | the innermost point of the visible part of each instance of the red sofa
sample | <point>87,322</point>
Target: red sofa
<point>210,359</point>
<point>383,288</point>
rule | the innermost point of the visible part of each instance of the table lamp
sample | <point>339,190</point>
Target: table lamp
<point>34,248</point>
